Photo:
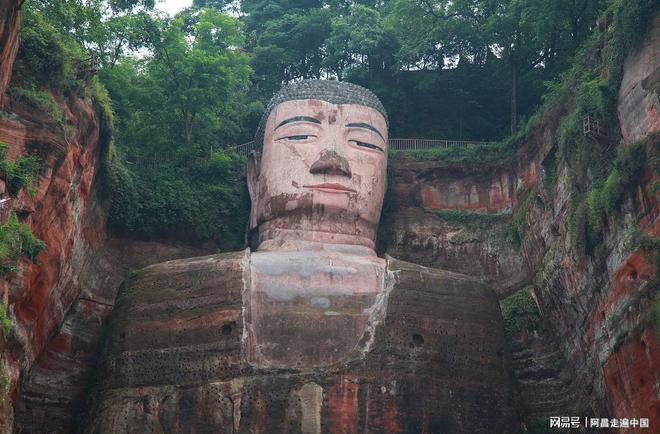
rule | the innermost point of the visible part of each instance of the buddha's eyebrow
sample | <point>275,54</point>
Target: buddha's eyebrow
<point>298,119</point>
<point>367,126</point>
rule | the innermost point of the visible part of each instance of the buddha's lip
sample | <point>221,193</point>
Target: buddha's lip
<point>328,186</point>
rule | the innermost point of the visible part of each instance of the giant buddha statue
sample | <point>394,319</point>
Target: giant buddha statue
<point>307,330</point>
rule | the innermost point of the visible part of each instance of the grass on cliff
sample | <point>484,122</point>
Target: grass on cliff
<point>485,153</point>
<point>47,57</point>
<point>17,240</point>
<point>38,100</point>
<point>20,173</point>
<point>520,312</point>
<point>50,61</point>
<point>592,208</point>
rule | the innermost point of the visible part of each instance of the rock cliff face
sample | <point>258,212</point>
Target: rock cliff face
<point>52,394</point>
<point>9,33</point>
<point>597,349</point>
<point>599,306</point>
<point>61,213</point>
<point>454,217</point>
<point>58,305</point>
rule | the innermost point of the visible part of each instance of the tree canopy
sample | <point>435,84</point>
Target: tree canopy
<point>184,88</point>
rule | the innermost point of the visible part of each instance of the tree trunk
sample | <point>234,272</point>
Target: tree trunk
<point>514,99</point>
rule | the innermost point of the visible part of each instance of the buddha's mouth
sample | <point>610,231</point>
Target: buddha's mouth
<point>331,188</point>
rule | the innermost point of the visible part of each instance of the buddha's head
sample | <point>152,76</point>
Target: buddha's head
<point>319,173</point>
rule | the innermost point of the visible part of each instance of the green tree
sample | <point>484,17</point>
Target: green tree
<point>525,35</point>
<point>184,98</point>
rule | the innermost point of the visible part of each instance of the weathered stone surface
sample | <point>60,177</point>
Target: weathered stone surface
<point>63,213</point>
<point>481,250</point>
<point>597,306</point>
<point>314,308</point>
<point>416,229</point>
<point>436,185</point>
<point>639,94</point>
<point>175,360</point>
<point>9,36</point>
<point>52,393</point>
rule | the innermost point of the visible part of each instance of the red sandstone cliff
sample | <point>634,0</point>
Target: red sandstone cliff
<point>9,25</point>
<point>58,304</point>
<point>598,350</point>
<point>61,213</point>
<point>599,306</point>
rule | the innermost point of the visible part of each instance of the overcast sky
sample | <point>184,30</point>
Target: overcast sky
<point>172,6</point>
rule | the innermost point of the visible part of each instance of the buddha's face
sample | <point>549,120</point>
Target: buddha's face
<point>323,168</point>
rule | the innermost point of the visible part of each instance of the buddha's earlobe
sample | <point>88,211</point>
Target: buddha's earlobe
<point>253,168</point>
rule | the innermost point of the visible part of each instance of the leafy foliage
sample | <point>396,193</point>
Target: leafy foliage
<point>588,219</point>
<point>520,312</point>
<point>38,100</point>
<point>16,240</point>
<point>19,173</point>
<point>194,200</point>
<point>201,79</point>
<point>482,153</point>
<point>187,97</point>
<point>46,55</point>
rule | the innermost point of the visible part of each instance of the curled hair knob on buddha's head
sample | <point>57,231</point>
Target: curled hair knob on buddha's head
<point>335,92</point>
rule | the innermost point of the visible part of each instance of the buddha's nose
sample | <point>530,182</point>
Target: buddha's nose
<point>331,163</point>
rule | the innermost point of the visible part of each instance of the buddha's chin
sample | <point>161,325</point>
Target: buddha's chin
<point>332,203</point>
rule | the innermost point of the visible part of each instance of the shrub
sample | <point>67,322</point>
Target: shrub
<point>47,55</point>
<point>19,173</point>
<point>500,152</point>
<point>16,240</point>
<point>603,198</point>
<point>576,224</point>
<point>38,100</point>
<point>192,200</point>
<point>460,216</point>
<point>519,312</point>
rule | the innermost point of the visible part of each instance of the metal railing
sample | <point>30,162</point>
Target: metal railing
<point>417,144</point>
<point>243,149</point>
<point>393,144</point>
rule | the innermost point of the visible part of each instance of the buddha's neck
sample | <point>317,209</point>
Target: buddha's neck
<point>277,239</point>
<point>283,234</point>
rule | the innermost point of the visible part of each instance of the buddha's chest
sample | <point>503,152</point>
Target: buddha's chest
<point>312,309</point>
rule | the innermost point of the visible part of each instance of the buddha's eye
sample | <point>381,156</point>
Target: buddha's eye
<point>367,145</point>
<point>297,137</point>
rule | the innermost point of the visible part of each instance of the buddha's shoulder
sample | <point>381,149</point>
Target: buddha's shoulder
<point>411,276</point>
<point>180,277</point>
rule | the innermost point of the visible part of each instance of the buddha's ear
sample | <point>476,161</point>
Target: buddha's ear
<point>254,162</point>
